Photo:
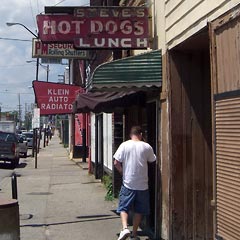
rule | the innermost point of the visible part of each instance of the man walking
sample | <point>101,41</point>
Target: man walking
<point>131,160</point>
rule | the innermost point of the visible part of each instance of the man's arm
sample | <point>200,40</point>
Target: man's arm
<point>151,155</point>
<point>118,166</point>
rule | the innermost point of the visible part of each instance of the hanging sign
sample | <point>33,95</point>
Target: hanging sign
<point>97,27</point>
<point>57,50</point>
<point>55,98</point>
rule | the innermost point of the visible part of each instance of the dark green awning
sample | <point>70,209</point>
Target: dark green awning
<point>140,71</point>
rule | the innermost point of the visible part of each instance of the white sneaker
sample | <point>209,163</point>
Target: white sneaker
<point>124,234</point>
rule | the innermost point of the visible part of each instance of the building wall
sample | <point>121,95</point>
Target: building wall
<point>173,22</point>
<point>107,141</point>
<point>159,42</point>
<point>184,18</point>
<point>92,137</point>
<point>158,25</point>
<point>225,62</point>
<point>70,140</point>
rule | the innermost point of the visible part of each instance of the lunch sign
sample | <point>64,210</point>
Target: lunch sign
<point>97,28</point>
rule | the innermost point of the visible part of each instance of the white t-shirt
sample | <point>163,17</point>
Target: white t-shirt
<point>134,156</point>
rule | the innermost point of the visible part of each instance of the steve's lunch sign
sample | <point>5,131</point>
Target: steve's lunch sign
<point>55,98</point>
<point>97,27</point>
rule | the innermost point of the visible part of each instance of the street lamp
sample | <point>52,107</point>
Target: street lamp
<point>9,24</point>
<point>37,67</point>
<point>45,67</point>
<point>20,24</point>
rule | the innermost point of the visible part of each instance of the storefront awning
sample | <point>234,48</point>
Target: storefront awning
<point>107,101</point>
<point>140,71</point>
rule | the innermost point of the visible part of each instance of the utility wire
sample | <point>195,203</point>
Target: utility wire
<point>86,4</point>
<point>38,6</point>
<point>15,39</point>
<point>55,5</point>
<point>7,92</point>
<point>20,65</point>
<point>31,7</point>
<point>59,2</point>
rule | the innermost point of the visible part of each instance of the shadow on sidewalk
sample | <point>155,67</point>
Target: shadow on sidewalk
<point>8,166</point>
<point>91,218</point>
<point>22,165</point>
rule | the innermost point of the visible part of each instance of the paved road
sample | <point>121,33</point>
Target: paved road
<point>5,173</point>
<point>6,170</point>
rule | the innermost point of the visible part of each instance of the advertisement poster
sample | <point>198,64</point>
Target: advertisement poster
<point>78,129</point>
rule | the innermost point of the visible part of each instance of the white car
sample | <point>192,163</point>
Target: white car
<point>29,136</point>
<point>23,145</point>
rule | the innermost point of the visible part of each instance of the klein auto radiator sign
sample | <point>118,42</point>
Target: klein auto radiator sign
<point>55,98</point>
<point>57,50</point>
<point>97,27</point>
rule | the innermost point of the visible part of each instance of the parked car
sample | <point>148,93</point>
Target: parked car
<point>29,136</point>
<point>9,148</point>
<point>23,145</point>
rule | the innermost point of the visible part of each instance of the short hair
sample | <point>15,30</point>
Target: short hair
<point>136,130</point>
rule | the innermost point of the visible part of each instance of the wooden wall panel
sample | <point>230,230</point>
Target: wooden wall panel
<point>227,46</point>
<point>225,61</point>
<point>185,18</point>
<point>227,112</point>
<point>191,145</point>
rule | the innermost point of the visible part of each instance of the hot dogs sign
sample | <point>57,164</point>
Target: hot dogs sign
<point>101,27</point>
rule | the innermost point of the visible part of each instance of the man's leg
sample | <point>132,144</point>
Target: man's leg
<point>125,233</point>
<point>141,207</point>
<point>126,198</point>
<point>124,218</point>
<point>136,222</point>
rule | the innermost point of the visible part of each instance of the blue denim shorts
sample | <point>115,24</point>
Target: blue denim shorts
<point>135,200</point>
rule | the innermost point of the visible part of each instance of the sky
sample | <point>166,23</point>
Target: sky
<point>16,75</point>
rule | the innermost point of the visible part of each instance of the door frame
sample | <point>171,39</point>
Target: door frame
<point>157,204</point>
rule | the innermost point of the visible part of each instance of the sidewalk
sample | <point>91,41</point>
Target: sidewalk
<point>60,201</point>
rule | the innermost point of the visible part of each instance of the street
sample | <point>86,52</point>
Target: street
<point>60,200</point>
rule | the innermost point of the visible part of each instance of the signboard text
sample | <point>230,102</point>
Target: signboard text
<point>89,27</point>
<point>54,98</point>
<point>57,50</point>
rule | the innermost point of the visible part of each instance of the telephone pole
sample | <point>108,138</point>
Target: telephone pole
<point>19,110</point>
